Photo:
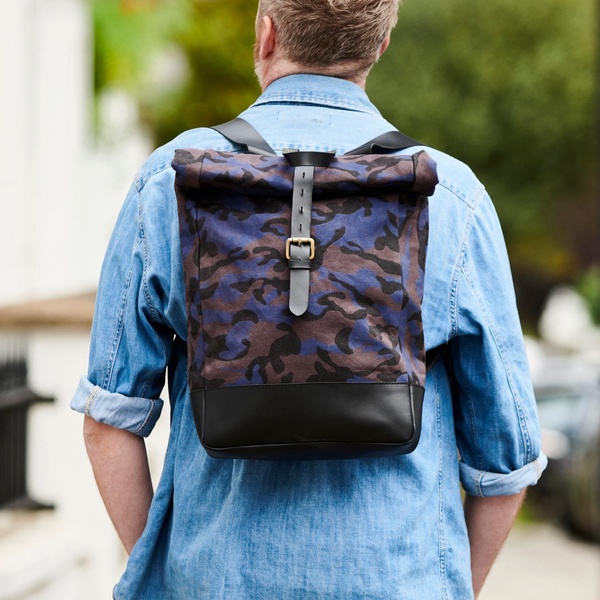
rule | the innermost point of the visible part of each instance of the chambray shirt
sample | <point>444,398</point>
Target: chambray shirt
<point>377,529</point>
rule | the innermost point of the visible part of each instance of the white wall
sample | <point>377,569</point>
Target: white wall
<point>45,63</point>
<point>59,192</point>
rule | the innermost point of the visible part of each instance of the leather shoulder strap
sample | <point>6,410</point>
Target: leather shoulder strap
<point>240,132</point>
<point>392,141</point>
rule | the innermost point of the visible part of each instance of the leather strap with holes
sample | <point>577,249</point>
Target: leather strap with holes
<point>300,247</point>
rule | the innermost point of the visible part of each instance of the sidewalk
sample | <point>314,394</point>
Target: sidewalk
<point>540,562</point>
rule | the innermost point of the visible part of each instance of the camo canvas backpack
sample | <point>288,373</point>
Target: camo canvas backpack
<point>304,280</point>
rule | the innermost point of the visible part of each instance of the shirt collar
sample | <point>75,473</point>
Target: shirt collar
<point>317,90</point>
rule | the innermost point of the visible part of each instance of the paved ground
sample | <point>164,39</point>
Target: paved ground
<point>540,562</point>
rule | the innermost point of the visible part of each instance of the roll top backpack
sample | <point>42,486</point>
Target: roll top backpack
<point>304,280</point>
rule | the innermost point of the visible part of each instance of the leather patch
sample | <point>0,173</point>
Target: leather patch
<point>296,421</point>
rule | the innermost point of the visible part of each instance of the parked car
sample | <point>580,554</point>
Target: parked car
<point>568,397</point>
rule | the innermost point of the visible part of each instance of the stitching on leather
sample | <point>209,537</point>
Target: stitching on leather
<point>272,385</point>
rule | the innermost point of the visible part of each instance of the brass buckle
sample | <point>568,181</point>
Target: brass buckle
<point>300,241</point>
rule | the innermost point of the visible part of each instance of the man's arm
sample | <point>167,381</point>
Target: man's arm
<point>120,466</point>
<point>489,520</point>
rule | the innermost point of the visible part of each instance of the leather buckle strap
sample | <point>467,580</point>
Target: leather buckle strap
<point>300,247</point>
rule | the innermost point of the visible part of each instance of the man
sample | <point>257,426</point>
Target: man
<point>388,528</point>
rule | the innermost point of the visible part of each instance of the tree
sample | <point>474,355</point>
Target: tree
<point>215,40</point>
<point>506,86</point>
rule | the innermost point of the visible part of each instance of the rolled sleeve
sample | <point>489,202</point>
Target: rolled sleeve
<point>138,415</point>
<point>132,333</point>
<point>484,483</point>
<point>496,420</point>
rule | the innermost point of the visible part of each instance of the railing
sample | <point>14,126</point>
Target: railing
<point>15,400</point>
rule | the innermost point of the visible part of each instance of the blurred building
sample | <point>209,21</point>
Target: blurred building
<point>60,191</point>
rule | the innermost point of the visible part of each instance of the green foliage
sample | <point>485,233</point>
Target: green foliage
<point>508,87</point>
<point>126,40</point>
<point>216,38</point>
<point>218,44</point>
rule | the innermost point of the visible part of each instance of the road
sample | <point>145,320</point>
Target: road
<point>540,562</point>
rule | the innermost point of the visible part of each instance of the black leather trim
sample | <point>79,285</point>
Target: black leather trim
<point>300,228</point>
<point>432,356</point>
<point>392,141</point>
<point>309,421</point>
<point>301,158</point>
<point>240,132</point>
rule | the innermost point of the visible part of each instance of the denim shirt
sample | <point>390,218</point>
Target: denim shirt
<point>378,529</point>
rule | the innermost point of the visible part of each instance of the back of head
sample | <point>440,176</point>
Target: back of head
<point>325,33</point>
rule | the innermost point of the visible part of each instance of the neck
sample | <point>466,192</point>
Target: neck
<point>268,73</point>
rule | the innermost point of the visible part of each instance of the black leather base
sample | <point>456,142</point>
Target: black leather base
<point>309,421</point>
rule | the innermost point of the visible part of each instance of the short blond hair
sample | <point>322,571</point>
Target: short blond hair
<point>323,33</point>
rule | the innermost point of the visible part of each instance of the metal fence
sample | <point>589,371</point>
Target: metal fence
<point>15,400</point>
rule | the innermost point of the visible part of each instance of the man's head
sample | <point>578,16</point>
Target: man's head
<point>343,38</point>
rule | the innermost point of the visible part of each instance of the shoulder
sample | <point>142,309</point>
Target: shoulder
<point>457,181</point>
<point>157,168</point>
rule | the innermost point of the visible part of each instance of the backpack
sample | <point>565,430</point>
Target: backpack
<point>304,280</point>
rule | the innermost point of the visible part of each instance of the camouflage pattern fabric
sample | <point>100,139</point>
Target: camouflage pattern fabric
<point>370,226</point>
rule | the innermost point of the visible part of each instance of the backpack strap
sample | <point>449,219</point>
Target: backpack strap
<point>240,132</point>
<point>392,141</point>
<point>300,247</point>
<point>432,356</point>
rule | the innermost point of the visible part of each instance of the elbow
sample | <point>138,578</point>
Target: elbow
<point>96,434</point>
<point>91,428</point>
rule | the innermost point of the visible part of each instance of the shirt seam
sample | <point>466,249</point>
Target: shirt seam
<point>441,539</point>
<point>148,414</point>
<point>525,437</point>
<point>144,246</point>
<point>143,177</point>
<point>454,303</point>
<point>154,313</point>
<point>120,325</point>
<point>470,200</point>
<point>468,397</point>
<point>478,482</point>
<point>324,101</point>
<point>461,257</point>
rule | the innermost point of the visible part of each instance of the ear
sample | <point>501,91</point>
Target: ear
<point>266,38</point>
<point>384,46</point>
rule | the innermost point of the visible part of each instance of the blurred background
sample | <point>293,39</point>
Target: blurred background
<point>88,89</point>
